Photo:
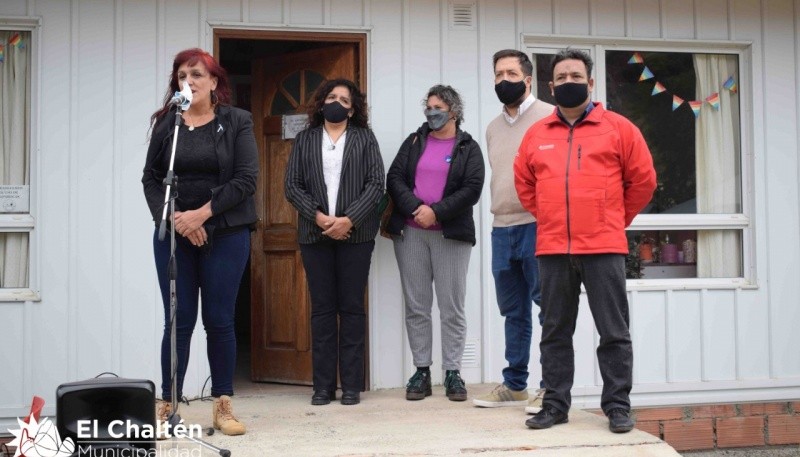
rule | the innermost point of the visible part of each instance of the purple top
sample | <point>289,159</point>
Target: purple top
<point>431,176</point>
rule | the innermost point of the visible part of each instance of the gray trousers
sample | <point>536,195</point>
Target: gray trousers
<point>427,259</point>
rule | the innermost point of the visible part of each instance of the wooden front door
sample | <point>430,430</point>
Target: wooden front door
<point>281,306</point>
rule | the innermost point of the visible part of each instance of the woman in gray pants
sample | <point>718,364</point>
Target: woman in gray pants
<point>434,182</point>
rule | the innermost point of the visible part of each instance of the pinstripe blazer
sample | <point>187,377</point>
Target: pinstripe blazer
<point>360,187</point>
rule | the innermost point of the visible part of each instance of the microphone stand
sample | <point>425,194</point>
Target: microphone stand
<point>170,194</point>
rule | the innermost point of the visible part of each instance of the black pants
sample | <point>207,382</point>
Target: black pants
<point>603,275</point>
<point>337,278</point>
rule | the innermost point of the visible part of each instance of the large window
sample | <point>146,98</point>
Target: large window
<point>687,105</point>
<point>16,222</point>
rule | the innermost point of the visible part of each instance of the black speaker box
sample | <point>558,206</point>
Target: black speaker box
<point>96,403</point>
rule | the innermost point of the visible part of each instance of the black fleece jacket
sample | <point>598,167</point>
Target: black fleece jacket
<point>462,189</point>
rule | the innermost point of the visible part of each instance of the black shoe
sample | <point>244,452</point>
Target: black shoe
<point>419,386</point>
<point>323,397</point>
<point>351,397</point>
<point>619,421</point>
<point>454,386</point>
<point>547,418</point>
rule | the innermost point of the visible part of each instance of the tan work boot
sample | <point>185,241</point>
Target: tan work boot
<point>163,410</point>
<point>223,417</point>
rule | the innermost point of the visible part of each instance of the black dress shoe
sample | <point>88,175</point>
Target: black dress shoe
<point>323,397</point>
<point>547,418</point>
<point>619,421</point>
<point>350,397</point>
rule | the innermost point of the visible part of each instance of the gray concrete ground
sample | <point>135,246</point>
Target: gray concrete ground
<point>281,422</point>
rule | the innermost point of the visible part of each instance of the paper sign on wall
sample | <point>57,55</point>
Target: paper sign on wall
<point>292,124</point>
<point>14,199</point>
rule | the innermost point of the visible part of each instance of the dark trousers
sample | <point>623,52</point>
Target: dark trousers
<point>603,275</point>
<point>214,275</point>
<point>337,275</point>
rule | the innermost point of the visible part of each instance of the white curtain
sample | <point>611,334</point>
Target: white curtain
<point>14,91</point>
<point>717,155</point>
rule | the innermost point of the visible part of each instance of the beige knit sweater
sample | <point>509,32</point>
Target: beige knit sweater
<point>503,141</point>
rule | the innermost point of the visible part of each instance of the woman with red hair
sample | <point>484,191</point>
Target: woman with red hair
<point>216,160</point>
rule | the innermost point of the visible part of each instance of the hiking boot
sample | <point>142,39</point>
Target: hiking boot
<point>454,386</point>
<point>419,386</point>
<point>163,410</point>
<point>547,418</point>
<point>224,420</point>
<point>619,421</point>
<point>502,396</point>
<point>535,403</point>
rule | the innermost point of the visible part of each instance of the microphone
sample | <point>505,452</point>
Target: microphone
<point>183,99</point>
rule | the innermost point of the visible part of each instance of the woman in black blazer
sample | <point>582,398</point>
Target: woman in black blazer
<point>335,179</point>
<point>216,161</point>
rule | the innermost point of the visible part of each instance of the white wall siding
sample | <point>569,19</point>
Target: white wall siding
<point>102,70</point>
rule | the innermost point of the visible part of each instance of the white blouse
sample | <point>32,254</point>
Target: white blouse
<point>332,154</point>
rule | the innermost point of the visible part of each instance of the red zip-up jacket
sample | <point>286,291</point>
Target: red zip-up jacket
<point>584,183</point>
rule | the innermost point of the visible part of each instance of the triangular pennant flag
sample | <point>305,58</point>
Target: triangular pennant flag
<point>15,40</point>
<point>713,100</point>
<point>658,88</point>
<point>636,58</point>
<point>646,74</point>
<point>676,102</point>
<point>695,105</point>
<point>730,84</point>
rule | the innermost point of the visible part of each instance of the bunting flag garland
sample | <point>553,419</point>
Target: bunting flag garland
<point>696,105</point>
<point>2,53</point>
<point>15,40</point>
<point>636,58</point>
<point>730,84</point>
<point>676,102</point>
<point>713,100</point>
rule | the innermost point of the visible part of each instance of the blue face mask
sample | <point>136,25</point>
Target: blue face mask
<point>437,118</point>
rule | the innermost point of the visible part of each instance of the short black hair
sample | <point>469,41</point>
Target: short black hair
<point>572,54</point>
<point>524,61</point>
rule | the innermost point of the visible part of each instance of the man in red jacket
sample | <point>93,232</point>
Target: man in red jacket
<point>584,173</point>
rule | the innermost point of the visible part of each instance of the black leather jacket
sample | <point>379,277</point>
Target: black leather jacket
<point>462,189</point>
<point>232,202</point>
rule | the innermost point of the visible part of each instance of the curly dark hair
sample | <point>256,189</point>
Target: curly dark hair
<point>360,116</point>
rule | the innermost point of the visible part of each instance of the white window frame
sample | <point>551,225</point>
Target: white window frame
<point>17,223</point>
<point>537,44</point>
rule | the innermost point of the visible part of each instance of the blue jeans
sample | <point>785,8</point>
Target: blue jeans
<point>213,274</point>
<point>516,280</point>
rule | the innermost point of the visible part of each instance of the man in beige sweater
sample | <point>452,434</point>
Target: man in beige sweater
<point>514,265</point>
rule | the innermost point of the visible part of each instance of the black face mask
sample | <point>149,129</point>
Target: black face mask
<point>509,92</point>
<point>570,95</point>
<point>334,112</point>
